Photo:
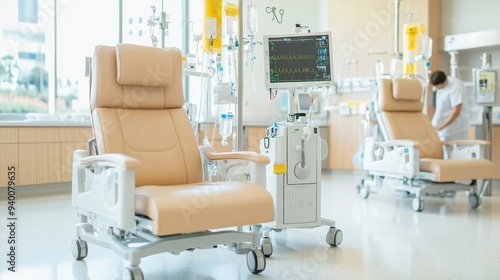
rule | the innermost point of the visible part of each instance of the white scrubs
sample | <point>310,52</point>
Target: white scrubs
<point>446,99</point>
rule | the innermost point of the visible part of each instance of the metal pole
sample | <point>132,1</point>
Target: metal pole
<point>185,43</point>
<point>487,128</point>
<point>163,24</point>
<point>120,21</point>
<point>239,78</point>
<point>487,131</point>
<point>397,54</point>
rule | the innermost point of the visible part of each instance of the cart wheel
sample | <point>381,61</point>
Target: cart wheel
<point>334,237</point>
<point>79,249</point>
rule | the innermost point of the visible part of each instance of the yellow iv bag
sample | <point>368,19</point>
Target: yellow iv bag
<point>412,30</point>
<point>212,26</point>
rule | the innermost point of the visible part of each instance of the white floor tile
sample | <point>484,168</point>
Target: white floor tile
<point>383,239</point>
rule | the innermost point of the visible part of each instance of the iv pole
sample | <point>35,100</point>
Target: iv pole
<point>239,132</point>
<point>162,21</point>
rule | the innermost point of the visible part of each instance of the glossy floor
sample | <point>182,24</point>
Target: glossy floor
<point>383,239</point>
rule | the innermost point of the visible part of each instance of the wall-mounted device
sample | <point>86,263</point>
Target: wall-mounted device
<point>485,87</point>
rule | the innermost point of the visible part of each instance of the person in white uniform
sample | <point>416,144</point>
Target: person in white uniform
<point>450,118</point>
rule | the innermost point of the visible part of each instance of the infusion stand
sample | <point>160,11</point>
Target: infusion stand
<point>162,21</point>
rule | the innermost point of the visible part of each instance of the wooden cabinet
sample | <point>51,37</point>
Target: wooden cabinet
<point>9,163</point>
<point>39,163</point>
<point>9,156</point>
<point>41,155</point>
<point>67,149</point>
<point>253,135</point>
<point>345,138</point>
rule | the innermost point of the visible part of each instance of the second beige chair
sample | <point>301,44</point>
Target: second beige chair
<point>408,154</point>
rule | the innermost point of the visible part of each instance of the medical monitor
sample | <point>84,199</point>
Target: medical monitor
<point>298,60</point>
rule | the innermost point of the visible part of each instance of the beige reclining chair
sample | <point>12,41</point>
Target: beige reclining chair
<point>142,192</point>
<point>409,156</point>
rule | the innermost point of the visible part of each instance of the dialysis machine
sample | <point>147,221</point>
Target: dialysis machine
<point>294,175</point>
<point>298,64</point>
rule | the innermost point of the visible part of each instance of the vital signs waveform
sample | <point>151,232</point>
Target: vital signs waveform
<point>291,57</point>
<point>302,70</point>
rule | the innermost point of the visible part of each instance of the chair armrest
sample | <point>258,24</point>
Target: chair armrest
<point>400,157</point>
<point>114,160</point>
<point>247,155</point>
<point>104,186</point>
<point>466,143</point>
<point>398,143</point>
<point>466,149</point>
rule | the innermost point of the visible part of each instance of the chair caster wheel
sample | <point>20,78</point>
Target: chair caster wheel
<point>418,204</point>
<point>266,246</point>
<point>256,261</point>
<point>132,273</point>
<point>79,249</point>
<point>364,191</point>
<point>474,200</point>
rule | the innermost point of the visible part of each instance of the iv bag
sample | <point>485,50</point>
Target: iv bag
<point>232,12</point>
<point>252,19</point>
<point>427,47</point>
<point>212,26</point>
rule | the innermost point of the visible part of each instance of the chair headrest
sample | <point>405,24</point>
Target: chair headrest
<point>406,89</point>
<point>143,66</point>
<point>400,95</point>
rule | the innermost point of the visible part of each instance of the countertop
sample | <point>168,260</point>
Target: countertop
<point>26,123</point>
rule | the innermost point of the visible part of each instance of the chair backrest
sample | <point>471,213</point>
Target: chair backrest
<point>136,104</point>
<point>400,107</point>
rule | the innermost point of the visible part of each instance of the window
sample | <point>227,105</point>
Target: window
<point>27,11</point>
<point>81,25</point>
<point>26,57</point>
<point>42,66</point>
<point>146,29</point>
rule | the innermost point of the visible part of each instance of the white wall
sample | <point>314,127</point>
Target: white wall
<point>458,16</point>
<point>257,106</point>
<point>463,16</point>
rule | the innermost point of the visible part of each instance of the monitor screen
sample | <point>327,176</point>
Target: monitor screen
<point>298,60</point>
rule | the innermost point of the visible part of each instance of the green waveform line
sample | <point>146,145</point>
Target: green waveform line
<point>293,70</point>
<point>285,57</point>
